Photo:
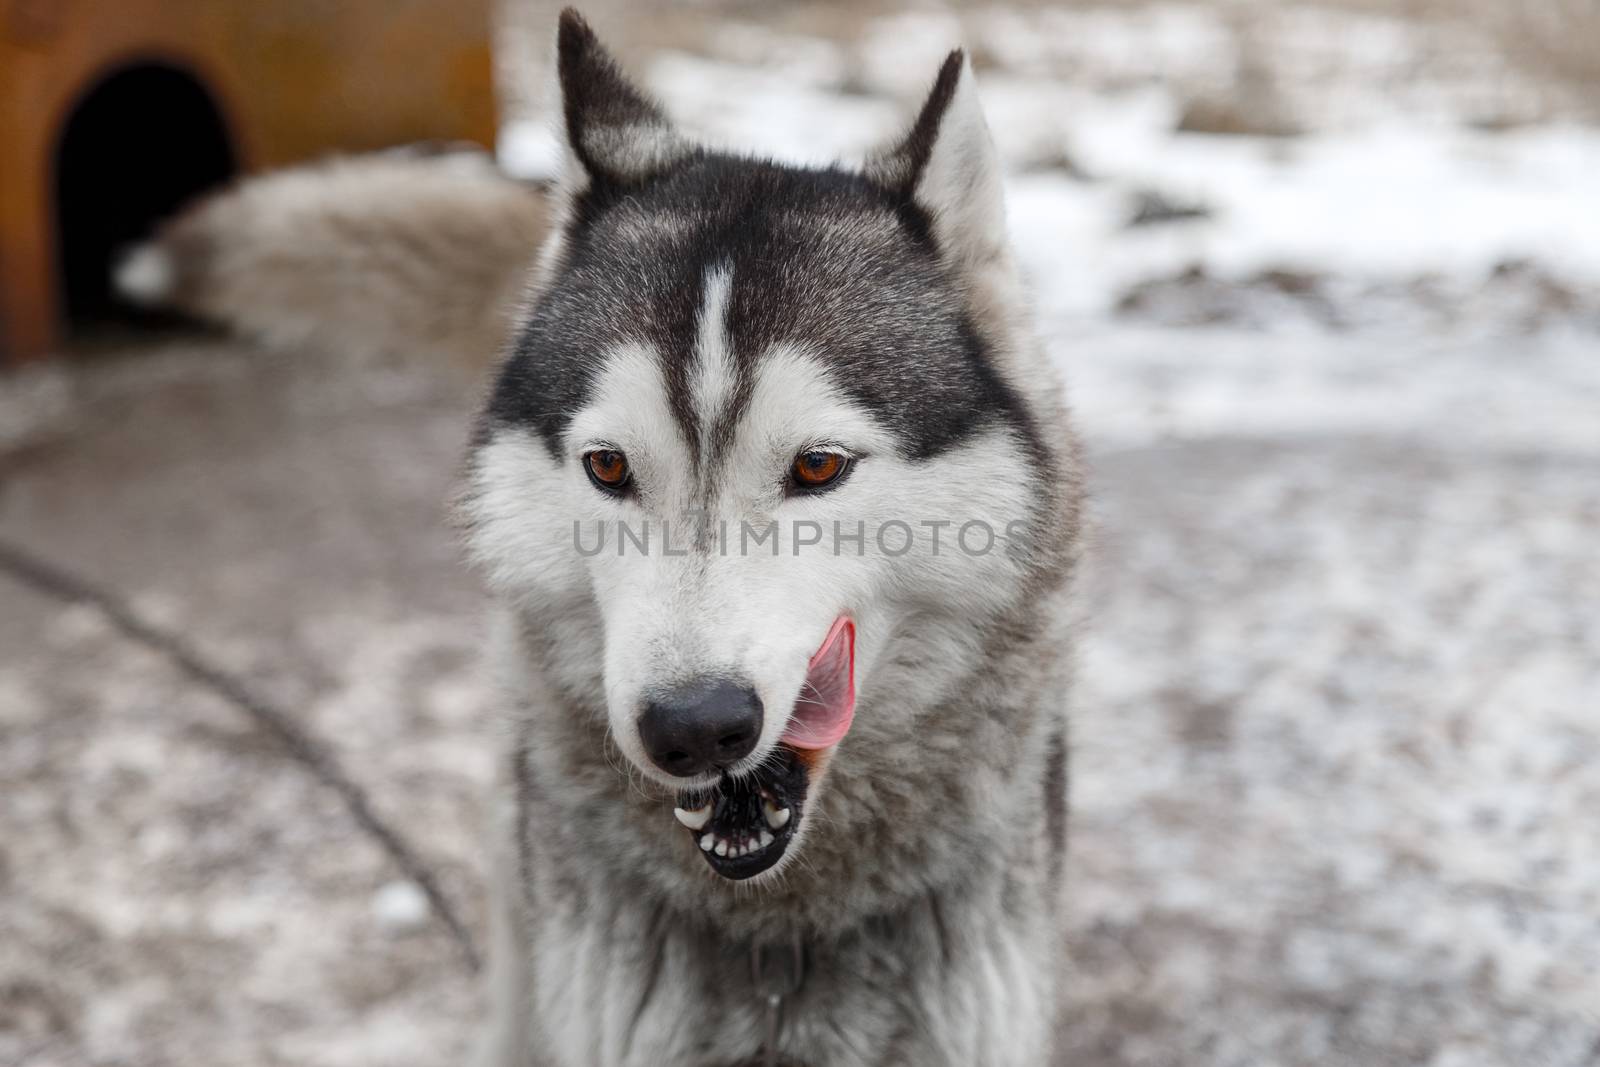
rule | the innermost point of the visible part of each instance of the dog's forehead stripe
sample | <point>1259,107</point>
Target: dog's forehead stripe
<point>714,378</point>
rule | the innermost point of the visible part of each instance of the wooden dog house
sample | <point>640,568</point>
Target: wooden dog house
<point>114,113</point>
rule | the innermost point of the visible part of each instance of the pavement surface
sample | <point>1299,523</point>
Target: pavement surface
<point>1337,754</point>
<point>180,886</point>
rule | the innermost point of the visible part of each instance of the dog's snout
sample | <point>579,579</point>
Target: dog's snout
<point>700,726</point>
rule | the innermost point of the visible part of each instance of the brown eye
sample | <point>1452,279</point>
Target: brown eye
<point>818,470</point>
<point>607,469</point>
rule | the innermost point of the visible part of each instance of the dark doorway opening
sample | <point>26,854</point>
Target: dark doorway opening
<point>142,142</point>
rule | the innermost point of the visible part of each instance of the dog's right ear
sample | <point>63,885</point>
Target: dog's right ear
<point>616,135</point>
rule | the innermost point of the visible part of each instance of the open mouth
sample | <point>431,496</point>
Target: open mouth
<point>744,825</point>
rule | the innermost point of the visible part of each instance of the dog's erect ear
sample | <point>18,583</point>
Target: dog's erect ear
<point>616,134</point>
<point>948,166</point>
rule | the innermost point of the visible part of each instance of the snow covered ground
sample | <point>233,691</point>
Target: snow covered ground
<point>1393,181</point>
<point>1325,287</point>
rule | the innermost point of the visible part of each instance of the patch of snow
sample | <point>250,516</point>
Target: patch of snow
<point>765,110</point>
<point>400,906</point>
<point>530,149</point>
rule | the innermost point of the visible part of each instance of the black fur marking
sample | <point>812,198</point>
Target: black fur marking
<point>826,259</point>
<point>910,157</point>
<point>1056,784</point>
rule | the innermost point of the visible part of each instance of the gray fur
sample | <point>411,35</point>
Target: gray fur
<point>927,892</point>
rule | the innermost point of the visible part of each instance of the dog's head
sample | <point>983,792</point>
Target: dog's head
<point>756,448</point>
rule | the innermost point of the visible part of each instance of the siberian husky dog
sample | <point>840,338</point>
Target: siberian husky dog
<point>777,496</point>
<point>779,499</point>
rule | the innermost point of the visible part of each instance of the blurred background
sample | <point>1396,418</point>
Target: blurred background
<point>1323,280</point>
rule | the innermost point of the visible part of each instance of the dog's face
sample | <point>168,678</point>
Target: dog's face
<point>752,432</point>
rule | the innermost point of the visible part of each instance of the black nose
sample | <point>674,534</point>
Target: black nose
<point>700,726</point>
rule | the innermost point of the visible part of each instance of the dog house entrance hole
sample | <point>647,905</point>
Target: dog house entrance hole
<point>143,141</point>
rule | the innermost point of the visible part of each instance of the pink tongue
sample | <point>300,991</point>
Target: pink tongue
<point>827,701</point>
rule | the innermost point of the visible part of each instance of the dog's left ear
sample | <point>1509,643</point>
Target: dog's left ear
<point>948,166</point>
<point>616,135</point>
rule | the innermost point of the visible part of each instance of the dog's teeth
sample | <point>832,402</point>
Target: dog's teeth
<point>695,819</point>
<point>777,817</point>
<point>707,841</point>
<point>766,838</point>
<point>722,848</point>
